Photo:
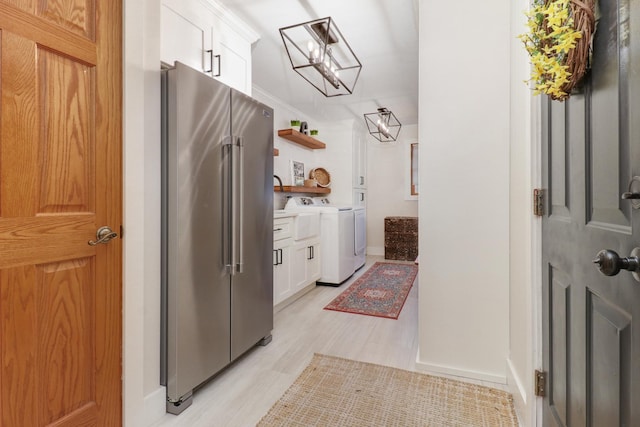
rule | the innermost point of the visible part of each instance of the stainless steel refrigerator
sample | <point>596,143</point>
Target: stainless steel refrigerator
<point>217,236</point>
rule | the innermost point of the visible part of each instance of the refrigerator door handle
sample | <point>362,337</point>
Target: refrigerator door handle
<point>228,206</point>
<point>239,194</point>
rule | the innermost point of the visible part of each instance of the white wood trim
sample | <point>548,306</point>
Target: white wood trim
<point>287,301</point>
<point>536,242</point>
<point>472,375</point>
<point>155,406</point>
<point>518,392</point>
<point>375,250</point>
<point>141,210</point>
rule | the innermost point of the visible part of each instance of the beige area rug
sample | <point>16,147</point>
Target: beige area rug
<point>338,392</point>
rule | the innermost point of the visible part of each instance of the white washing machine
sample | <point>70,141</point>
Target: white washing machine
<point>359,243</point>
<point>337,234</point>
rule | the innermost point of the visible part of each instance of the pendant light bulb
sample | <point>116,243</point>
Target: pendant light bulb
<point>313,52</point>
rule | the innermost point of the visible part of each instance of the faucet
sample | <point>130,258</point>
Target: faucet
<point>280,182</point>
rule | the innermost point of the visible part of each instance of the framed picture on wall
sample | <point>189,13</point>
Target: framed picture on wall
<point>297,173</point>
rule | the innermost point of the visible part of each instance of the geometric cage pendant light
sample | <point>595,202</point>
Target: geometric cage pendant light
<point>383,125</point>
<point>320,54</point>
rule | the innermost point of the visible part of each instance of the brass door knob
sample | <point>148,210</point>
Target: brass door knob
<point>103,235</point>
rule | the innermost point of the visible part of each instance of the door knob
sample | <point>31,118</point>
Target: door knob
<point>103,235</point>
<point>610,263</point>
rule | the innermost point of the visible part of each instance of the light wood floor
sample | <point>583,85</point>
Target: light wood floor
<point>244,392</point>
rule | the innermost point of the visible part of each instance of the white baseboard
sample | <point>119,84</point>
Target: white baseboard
<point>155,406</point>
<point>519,393</point>
<point>375,250</point>
<point>282,304</point>
<point>447,370</point>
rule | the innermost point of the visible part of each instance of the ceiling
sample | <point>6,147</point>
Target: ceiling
<point>382,33</point>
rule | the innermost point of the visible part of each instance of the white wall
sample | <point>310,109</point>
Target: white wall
<point>386,164</point>
<point>143,397</point>
<point>523,226</point>
<point>464,188</point>
<point>336,158</point>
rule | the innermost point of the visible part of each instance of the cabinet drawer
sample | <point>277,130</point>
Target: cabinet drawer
<point>282,228</point>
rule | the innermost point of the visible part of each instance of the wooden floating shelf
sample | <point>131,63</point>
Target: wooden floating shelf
<point>300,138</point>
<point>300,189</point>
<point>276,152</point>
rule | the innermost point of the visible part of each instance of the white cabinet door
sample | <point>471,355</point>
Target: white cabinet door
<point>359,197</point>
<point>313,264</point>
<point>305,265</point>
<point>185,34</point>
<point>195,33</point>
<point>359,161</point>
<point>230,57</point>
<point>299,262</point>
<point>282,263</point>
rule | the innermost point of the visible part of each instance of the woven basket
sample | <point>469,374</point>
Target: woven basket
<point>578,58</point>
<point>321,176</point>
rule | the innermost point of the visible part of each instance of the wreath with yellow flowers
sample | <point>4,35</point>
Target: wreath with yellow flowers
<point>559,44</point>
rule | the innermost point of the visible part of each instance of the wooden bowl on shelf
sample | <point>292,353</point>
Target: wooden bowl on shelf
<point>322,177</point>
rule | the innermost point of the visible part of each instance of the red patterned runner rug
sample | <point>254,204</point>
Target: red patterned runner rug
<point>381,291</point>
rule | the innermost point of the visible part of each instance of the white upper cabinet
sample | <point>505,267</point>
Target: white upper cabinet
<point>359,166</point>
<point>185,34</point>
<point>207,37</point>
<point>359,160</point>
<point>230,57</point>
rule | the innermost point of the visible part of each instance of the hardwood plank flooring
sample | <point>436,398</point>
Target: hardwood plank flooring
<point>243,393</point>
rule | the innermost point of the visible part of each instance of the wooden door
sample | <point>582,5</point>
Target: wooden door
<point>60,180</point>
<point>591,151</point>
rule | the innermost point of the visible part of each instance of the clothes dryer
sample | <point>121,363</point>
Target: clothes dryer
<point>337,234</point>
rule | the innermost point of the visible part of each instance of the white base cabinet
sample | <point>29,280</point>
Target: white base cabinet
<point>296,263</point>
<point>282,269</point>
<point>282,243</point>
<point>305,267</point>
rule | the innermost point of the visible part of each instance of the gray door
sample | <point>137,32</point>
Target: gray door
<point>591,151</point>
<point>252,223</point>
